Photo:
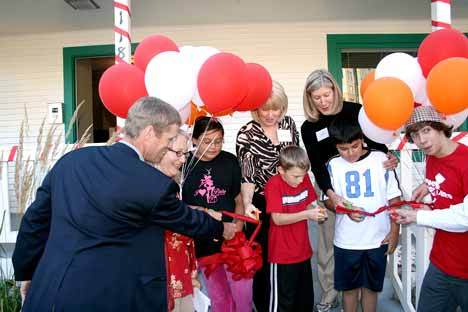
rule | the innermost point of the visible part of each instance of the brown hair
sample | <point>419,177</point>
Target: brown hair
<point>294,156</point>
<point>439,126</point>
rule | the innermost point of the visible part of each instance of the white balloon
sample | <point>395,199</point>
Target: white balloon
<point>169,77</point>
<point>421,96</point>
<point>373,132</point>
<point>202,54</point>
<point>199,56</point>
<point>186,49</point>
<point>426,102</point>
<point>404,67</point>
<point>456,120</point>
<point>185,112</point>
<point>188,54</point>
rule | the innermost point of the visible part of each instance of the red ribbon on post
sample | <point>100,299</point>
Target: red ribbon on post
<point>241,256</point>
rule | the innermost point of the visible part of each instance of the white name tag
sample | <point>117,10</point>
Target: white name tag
<point>284,135</point>
<point>322,134</point>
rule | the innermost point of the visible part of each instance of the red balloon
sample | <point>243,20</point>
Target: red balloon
<point>222,82</point>
<point>225,112</point>
<point>120,86</point>
<point>440,45</point>
<point>259,86</point>
<point>151,46</point>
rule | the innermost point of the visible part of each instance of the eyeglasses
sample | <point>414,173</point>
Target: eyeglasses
<point>179,153</point>
<point>217,142</point>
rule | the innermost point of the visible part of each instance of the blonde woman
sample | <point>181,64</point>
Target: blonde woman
<point>258,146</point>
<point>323,102</point>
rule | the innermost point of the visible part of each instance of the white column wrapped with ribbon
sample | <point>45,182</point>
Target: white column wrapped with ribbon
<point>123,43</point>
<point>441,14</point>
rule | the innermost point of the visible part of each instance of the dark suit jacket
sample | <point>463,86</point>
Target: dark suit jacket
<point>93,238</point>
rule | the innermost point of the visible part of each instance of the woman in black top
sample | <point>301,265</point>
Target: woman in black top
<point>258,145</point>
<point>323,101</point>
<point>212,179</point>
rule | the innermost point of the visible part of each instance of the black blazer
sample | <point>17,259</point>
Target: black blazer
<point>93,239</point>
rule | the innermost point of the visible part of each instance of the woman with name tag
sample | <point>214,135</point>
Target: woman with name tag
<point>259,143</point>
<point>322,102</point>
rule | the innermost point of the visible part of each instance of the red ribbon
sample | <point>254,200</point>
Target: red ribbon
<point>242,257</point>
<point>122,7</point>
<point>412,204</point>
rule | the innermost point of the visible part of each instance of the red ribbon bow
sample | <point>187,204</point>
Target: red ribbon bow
<point>242,257</point>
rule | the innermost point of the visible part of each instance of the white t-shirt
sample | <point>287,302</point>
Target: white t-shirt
<point>366,184</point>
<point>453,219</point>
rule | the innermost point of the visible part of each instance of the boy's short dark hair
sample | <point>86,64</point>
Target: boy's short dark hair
<point>345,129</point>
<point>204,124</point>
<point>294,156</point>
<point>424,116</point>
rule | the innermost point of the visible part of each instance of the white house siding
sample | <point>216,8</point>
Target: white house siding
<point>31,73</point>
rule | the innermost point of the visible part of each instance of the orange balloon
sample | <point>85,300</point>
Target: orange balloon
<point>368,79</point>
<point>447,85</point>
<point>388,102</point>
<point>195,113</point>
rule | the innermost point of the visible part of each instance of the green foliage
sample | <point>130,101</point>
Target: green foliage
<point>10,297</point>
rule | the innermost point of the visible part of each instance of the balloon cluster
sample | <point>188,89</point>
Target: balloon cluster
<point>195,80</point>
<point>438,76</point>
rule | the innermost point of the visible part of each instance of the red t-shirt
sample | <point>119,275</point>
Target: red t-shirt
<point>447,180</point>
<point>288,243</point>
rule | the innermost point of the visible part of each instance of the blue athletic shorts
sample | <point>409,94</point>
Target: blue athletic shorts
<point>360,268</point>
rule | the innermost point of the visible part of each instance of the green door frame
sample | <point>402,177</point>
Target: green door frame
<point>70,56</point>
<point>337,43</point>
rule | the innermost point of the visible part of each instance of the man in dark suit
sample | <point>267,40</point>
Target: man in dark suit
<point>93,239</point>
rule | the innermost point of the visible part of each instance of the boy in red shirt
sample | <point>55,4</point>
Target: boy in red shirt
<point>445,284</point>
<point>291,201</point>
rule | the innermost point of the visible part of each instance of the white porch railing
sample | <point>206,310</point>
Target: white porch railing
<point>409,257</point>
<point>6,235</point>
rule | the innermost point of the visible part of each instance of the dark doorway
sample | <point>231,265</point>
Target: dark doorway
<point>88,72</point>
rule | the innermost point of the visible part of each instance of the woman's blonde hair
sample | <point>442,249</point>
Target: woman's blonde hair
<point>277,100</point>
<point>317,79</point>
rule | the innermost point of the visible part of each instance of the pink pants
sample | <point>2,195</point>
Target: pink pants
<point>226,294</point>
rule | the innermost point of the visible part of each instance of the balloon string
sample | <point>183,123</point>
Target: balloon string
<point>189,168</point>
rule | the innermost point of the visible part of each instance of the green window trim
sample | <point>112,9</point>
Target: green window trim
<point>336,44</point>
<point>70,56</point>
